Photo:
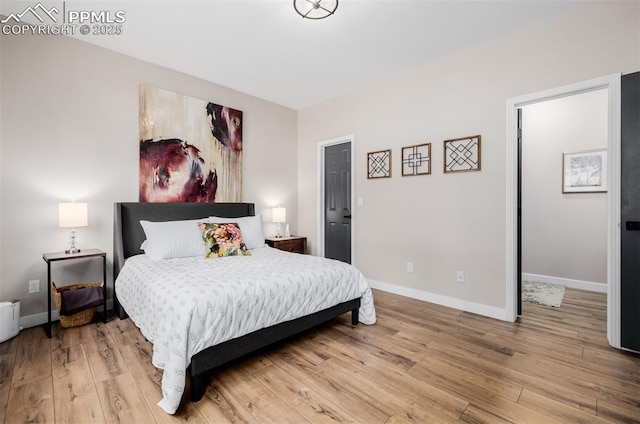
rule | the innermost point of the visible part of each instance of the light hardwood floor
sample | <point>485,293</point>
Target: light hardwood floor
<point>420,363</point>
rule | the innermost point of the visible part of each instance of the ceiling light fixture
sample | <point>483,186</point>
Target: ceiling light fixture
<point>315,9</point>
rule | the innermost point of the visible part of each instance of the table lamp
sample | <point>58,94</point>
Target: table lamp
<point>279,216</point>
<point>72,215</point>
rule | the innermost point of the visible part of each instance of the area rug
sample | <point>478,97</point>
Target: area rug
<point>545,294</point>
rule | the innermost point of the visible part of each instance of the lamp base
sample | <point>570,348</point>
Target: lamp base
<point>72,243</point>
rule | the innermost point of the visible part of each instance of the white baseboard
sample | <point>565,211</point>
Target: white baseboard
<point>476,308</point>
<point>41,318</point>
<point>574,284</point>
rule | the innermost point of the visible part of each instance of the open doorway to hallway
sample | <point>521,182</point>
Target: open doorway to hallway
<point>564,232</point>
<point>612,85</point>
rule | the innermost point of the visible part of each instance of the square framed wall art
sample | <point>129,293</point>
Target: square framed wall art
<point>416,160</point>
<point>190,149</point>
<point>379,164</point>
<point>462,154</point>
<point>585,171</point>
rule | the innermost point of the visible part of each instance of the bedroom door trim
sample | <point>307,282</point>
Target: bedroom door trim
<point>321,188</point>
<point>612,84</point>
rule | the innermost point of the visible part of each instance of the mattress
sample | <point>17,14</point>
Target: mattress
<point>185,305</point>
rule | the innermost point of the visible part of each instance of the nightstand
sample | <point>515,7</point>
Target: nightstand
<point>293,244</point>
<point>49,258</point>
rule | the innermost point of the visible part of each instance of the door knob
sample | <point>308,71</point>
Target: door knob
<point>632,226</point>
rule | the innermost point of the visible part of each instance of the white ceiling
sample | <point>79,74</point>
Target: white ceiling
<point>264,48</point>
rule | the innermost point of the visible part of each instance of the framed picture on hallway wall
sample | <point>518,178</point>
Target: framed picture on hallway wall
<point>585,171</point>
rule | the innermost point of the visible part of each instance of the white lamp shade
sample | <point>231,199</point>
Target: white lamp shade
<point>71,215</point>
<point>279,215</point>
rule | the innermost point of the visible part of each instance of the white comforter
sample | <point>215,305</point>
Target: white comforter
<point>185,305</point>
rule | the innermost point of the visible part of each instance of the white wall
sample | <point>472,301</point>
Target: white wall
<point>445,223</point>
<point>564,235</point>
<point>69,116</point>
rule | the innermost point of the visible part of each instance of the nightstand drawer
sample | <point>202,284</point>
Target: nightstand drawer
<point>290,244</point>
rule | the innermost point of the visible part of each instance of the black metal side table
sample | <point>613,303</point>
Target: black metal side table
<point>49,258</point>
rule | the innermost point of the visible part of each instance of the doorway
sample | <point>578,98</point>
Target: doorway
<point>335,223</point>
<point>612,85</point>
<point>564,234</point>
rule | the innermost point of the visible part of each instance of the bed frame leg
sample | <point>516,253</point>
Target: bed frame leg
<point>355,318</point>
<point>118,308</point>
<point>199,385</point>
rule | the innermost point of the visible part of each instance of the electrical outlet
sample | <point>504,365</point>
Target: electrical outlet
<point>460,276</point>
<point>409,266</point>
<point>34,286</point>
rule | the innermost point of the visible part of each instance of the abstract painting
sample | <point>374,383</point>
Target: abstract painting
<point>190,149</point>
<point>462,154</point>
<point>416,160</point>
<point>584,171</point>
<point>379,164</point>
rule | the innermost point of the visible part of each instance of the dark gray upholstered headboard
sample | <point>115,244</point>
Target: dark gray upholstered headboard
<point>128,234</point>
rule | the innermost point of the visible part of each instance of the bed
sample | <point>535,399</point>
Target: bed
<point>142,285</point>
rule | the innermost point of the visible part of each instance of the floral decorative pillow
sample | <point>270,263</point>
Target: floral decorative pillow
<point>222,239</point>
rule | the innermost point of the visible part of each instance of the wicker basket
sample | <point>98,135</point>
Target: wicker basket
<point>77,319</point>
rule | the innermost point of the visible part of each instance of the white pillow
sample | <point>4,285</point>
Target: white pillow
<point>173,239</point>
<point>250,227</point>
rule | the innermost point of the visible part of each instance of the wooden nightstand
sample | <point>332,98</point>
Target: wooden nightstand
<point>293,244</point>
